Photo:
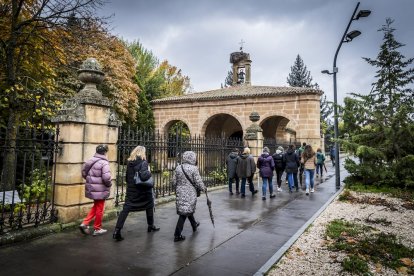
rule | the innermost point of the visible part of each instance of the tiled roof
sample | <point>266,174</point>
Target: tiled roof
<point>242,91</point>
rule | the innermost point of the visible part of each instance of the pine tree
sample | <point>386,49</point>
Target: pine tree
<point>381,130</point>
<point>299,75</point>
<point>229,79</point>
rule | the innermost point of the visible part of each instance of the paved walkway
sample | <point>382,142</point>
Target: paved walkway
<point>248,232</point>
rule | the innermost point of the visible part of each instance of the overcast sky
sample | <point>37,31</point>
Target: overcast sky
<point>198,37</point>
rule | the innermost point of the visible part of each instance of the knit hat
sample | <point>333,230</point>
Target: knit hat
<point>280,148</point>
<point>266,149</point>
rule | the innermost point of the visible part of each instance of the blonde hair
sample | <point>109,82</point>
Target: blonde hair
<point>139,151</point>
<point>246,150</point>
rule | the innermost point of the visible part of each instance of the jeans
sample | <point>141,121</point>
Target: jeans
<point>292,180</point>
<point>309,174</point>
<point>319,167</point>
<point>180,223</point>
<point>124,214</point>
<point>243,184</point>
<point>265,181</point>
<point>231,184</point>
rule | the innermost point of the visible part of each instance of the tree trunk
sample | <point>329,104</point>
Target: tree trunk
<point>8,179</point>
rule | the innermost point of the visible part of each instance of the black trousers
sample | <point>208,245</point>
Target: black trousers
<point>124,214</point>
<point>279,173</point>
<point>180,224</point>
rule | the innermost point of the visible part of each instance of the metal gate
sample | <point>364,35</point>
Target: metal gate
<point>163,155</point>
<point>27,176</point>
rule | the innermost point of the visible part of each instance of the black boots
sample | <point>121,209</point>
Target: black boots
<point>196,226</point>
<point>153,228</point>
<point>179,238</point>
<point>117,235</point>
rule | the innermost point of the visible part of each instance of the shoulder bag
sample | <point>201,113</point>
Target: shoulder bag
<point>188,178</point>
<point>138,181</point>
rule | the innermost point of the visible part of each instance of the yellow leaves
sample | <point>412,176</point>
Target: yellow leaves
<point>402,270</point>
<point>407,262</point>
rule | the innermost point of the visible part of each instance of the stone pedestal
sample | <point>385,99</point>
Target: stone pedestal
<point>254,137</point>
<point>85,121</point>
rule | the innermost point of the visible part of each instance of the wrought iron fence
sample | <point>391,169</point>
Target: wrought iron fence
<point>163,155</point>
<point>27,176</point>
<point>272,144</point>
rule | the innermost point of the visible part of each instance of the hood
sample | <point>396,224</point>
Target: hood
<point>278,151</point>
<point>233,155</point>
<point>135,162</point>
<point>290,151</point>
<point>265,155</point>
<point>100,156</point>
<point>189,157</point>
<point>244,155</point>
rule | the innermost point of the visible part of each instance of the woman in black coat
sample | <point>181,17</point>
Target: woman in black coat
<point>138,197</point>
<point>292,162</point>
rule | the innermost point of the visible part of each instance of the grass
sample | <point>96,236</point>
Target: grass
<point>369,245</point>
<point>356,265</point>
<point>395,192</point>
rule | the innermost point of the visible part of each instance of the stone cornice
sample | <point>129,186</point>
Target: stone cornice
<point>240,91</point>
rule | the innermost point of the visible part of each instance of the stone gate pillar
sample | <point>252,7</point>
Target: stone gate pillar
<point>85,121</point>
<point>254,136</point>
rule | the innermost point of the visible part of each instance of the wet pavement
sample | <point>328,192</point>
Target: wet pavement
<point>248,232</point>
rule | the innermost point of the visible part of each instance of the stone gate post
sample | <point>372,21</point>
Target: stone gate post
<point>254,136</point>
<point>85,121</point>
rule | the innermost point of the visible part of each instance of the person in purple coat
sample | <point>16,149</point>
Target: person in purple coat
<point>98,178</point>
<point>266,165</point>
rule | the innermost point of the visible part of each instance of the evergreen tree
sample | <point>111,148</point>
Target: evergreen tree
<point>299,75</point>
<point>381,130</point>
<point>229,79</point>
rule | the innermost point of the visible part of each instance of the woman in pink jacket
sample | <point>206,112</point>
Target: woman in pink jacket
<point>98,184</point>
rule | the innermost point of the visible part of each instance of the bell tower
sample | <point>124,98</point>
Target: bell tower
<point>241,67</point>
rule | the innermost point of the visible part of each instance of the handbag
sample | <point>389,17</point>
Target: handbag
<point>198,191</point>
<point>138,181</point>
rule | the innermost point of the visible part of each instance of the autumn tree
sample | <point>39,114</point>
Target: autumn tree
<point>156,80</point>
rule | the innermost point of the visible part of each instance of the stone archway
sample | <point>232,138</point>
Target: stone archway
<point>222,125</point>
<point>176,126</point>
<point>275,128</point>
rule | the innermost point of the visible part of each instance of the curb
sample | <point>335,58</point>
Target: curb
<point>32,233</point>
<point>279,254</point>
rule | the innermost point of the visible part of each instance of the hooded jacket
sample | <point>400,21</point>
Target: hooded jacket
<point>291,160</point>
<point>278,159</point>
<point>138,197</point>
<point>246,166</point>
<point>231,163</point>
<point>186,194</point>
<point>266,165</point>
<point>98,178</point>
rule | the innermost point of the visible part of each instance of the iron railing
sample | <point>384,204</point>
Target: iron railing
<point>163,155</point>
<point>27,176</point>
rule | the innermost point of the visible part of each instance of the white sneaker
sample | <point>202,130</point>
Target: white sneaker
<point>84,229</point>
<point>312,190</point>
<point>307,191</point>
<point>99,232</point>
<point>279,189</point>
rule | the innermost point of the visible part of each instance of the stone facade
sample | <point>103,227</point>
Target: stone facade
<point>286,113</point>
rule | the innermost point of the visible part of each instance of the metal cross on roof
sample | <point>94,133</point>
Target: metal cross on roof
<point>241,44</point>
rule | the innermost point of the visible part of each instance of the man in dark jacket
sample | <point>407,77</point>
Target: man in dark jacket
<point>279,166</point>
<point>231,163</point>
<point>245,170</point>
<point>292,162</point>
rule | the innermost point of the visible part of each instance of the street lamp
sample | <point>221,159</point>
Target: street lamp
<point>347,37</point>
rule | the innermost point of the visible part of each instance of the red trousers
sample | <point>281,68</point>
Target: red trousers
<point>96,212</point>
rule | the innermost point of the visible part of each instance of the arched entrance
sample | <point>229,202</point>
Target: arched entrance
<point>276,132</point>
<point>223,125</point>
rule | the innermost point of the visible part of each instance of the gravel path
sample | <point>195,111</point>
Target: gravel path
<point>309,254</point>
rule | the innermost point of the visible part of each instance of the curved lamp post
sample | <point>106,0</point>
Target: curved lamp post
<point>347,37</point>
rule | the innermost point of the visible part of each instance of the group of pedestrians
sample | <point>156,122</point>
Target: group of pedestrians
<point>294,162</point>
<point>139,191</point>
